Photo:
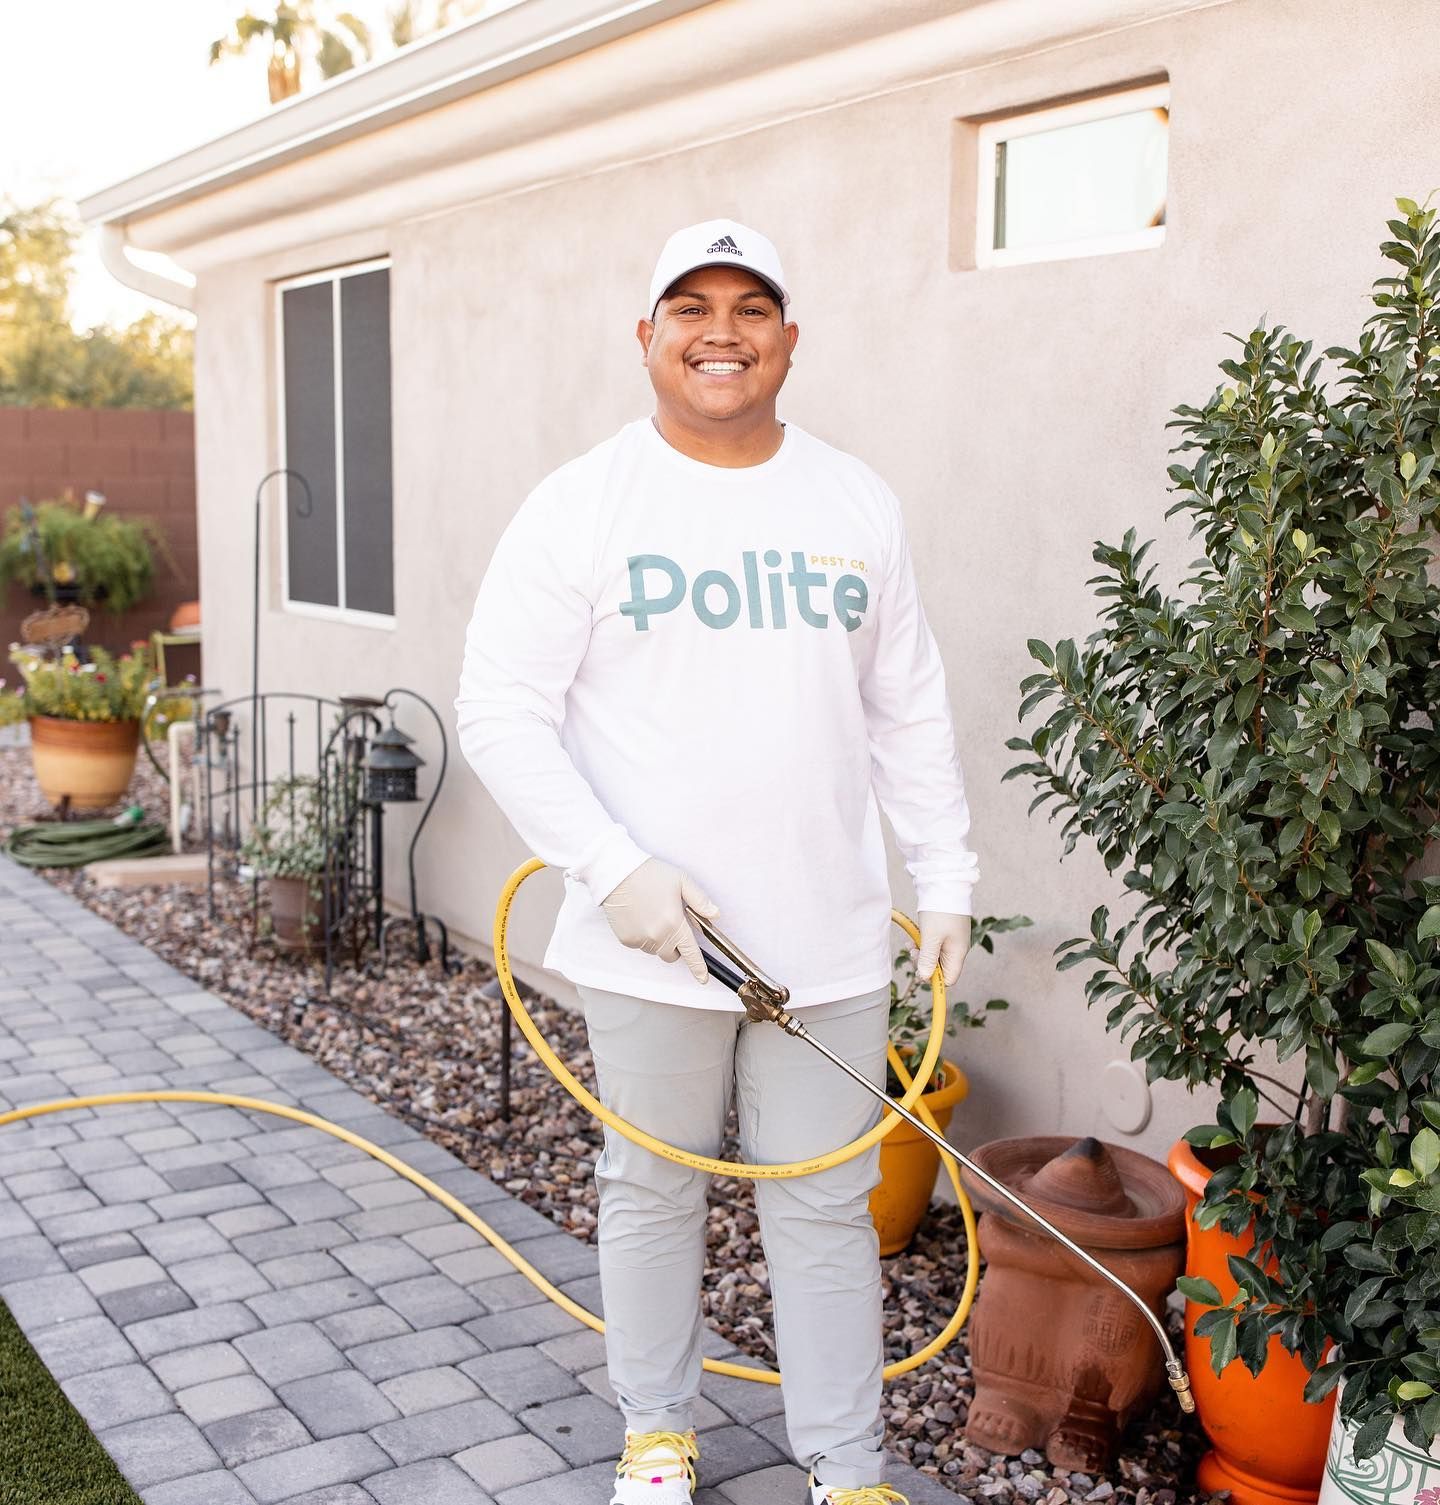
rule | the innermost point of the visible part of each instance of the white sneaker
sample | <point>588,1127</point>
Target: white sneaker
<point>869,1494</point>
<point>656,1468</point>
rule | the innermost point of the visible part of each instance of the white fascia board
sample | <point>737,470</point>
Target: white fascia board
<point>481,53</point>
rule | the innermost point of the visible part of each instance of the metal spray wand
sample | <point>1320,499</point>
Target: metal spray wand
<point>765,1001</point>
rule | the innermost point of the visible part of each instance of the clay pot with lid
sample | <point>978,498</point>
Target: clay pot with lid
<point>1062,1361</point>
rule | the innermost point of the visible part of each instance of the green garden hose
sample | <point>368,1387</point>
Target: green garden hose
<point>72,843</point>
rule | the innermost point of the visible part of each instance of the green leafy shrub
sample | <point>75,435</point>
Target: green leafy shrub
<point>910,998</point>
<point>110,559</point>
<point>1259,760</point>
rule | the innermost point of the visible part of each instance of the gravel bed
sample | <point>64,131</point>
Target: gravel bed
<point>427,1047</point>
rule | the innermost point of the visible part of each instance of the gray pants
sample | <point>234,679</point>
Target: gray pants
<point>670,1070</point>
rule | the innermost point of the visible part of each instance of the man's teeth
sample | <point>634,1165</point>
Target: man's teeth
<point>719,368</point>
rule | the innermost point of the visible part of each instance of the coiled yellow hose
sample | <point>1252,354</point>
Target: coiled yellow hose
<point>578,1091</point>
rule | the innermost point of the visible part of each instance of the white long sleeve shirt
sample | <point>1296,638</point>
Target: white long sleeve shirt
<point>721,668</point>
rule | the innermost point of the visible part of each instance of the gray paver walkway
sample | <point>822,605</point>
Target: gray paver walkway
<point>249,1311</point>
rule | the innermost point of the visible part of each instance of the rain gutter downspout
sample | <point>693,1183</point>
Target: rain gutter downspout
<point>112,242</point>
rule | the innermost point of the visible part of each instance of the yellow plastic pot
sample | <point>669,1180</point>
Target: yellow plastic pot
<point>90,761</point>
<point>909,1164</point>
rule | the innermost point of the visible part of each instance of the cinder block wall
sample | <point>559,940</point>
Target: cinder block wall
<point>144,462</point>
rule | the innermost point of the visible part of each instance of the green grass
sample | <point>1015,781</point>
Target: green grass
<point>48,1456</point>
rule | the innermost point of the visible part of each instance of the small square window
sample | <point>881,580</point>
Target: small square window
<point>1078,179</point>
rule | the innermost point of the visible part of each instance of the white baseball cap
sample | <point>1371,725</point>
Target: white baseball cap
<point>717,242</point>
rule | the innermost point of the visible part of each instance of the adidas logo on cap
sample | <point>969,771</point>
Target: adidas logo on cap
<point>717,242</point>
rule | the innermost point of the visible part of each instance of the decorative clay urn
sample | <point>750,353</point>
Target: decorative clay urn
<point>1061,1359</point>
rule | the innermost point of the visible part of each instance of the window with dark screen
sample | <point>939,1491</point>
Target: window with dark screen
<point>338,551</point>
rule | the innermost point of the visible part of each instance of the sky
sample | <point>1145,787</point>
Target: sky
<point>92,91</point>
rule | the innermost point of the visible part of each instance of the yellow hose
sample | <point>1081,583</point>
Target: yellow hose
<point>577,1090</point>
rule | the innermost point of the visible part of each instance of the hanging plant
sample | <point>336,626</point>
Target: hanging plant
<point>95,558</point>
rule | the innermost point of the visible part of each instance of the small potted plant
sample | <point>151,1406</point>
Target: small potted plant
<point>1258,759</point>
<point>68,553</point>
<point>286,847</point>
<point>84,721</point>
<point>908,1160</point>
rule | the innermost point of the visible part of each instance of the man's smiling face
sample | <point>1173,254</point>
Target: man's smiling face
<point>718,349</point>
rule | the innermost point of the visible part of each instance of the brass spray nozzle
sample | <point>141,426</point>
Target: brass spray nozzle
<point>1180,1384</point>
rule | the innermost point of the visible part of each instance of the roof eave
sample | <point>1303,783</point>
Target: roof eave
<point>487,51</point>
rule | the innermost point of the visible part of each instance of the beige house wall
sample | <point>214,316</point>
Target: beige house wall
<point>1019,413</point>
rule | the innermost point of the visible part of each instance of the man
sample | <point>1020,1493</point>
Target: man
<point>696,658</point>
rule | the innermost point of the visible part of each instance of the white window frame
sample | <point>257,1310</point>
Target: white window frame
<point>1032,123</point>
<point>348,614</point>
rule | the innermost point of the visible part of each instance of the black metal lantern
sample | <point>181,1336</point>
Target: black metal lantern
<point>390,767</point>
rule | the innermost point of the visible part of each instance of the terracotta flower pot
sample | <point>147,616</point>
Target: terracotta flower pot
<point>1268,1443</point>
<point>1399,1474</point>
<point>909,1164</point>
<point>91,761</point>
<point>298,916</point>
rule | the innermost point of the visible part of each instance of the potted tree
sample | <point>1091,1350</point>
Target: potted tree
<point>1257,757</point>
<point>69,553</point>
<point>84,721</point>
<point>286,847</point>
<point>908,1161</point>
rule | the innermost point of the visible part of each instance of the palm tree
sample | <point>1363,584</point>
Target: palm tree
<point>292,26</point>
<point>295,28</point>
<point>412,19</point>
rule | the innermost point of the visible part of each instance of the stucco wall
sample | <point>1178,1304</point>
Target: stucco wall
<point>1019,413</point>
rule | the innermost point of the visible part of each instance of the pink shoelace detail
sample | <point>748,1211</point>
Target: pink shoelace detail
<point>676,1451</point>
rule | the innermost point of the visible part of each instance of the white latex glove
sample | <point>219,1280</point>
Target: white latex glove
<point>646,910</point>
<point>944,941</point>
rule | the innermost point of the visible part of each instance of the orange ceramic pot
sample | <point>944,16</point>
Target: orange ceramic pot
<point>1268,1444</point>
<point>90,761</point>
<point>909,1164</point>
